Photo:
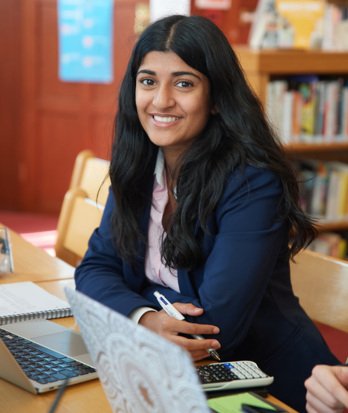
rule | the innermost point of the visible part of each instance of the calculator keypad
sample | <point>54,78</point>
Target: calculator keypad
<point>225,372</point>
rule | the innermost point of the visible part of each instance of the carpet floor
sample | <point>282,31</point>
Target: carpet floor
<point>39,229</point>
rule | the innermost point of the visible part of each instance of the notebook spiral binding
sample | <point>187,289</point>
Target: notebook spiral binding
<point>48,314</point>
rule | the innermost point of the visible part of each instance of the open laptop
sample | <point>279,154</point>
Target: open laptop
<point>139,370</point>
<point>43,355</point>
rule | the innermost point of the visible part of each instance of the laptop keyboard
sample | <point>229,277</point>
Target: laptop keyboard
<point>40,363</point>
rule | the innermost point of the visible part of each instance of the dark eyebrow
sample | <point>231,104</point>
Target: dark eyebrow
<point>175,74</point>
<point>148,72</point>
<point>185,74</point>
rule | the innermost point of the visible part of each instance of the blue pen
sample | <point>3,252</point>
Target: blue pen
<point>173,312</point>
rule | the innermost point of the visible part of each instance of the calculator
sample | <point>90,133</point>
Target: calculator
<point>232,375</point>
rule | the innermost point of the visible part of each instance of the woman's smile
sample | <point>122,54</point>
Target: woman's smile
<point>165,120</point>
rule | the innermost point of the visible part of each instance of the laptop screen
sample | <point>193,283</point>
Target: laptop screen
<point>139,370</point>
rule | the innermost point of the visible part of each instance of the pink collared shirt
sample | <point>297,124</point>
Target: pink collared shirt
<point>155,270</point>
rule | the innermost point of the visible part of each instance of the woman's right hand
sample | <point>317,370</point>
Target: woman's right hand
<point>171,329</point>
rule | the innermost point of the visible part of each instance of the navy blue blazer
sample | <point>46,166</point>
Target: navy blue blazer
<point>243,285</point>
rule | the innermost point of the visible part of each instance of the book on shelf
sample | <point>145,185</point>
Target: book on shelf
<point>27,301</point>
<point>332,211</point>
<point>305,18</point>
<point>263,26</point>
<point>319,195</point>
<point>335,27</point>
<point>307,92</point>
<point>306,180</point>
<point>274,103</point>
<point>343,110</point>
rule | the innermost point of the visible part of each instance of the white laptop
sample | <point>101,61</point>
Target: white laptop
<point>43,355</point>
<point>140,371</point>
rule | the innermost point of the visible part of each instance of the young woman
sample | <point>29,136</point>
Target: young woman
<point>203,208</point>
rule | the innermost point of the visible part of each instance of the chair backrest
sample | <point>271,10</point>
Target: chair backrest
<point>321,283</point>
<point>78,218</point>
<point>82,206</point>
<point>92,175</point>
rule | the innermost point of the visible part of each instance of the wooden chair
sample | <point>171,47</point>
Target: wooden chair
<point>321,283</point>
<point>78,218</point>
<point>82,206</point>
<point>92,175</point>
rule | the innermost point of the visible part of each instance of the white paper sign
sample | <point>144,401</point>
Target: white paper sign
<point>163,8</point>
<point>213,4</point>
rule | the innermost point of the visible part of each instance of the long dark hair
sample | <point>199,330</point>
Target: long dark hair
<point>236,135</point>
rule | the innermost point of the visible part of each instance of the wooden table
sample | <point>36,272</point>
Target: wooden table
<point>81,398</point>
<point>34,264</point>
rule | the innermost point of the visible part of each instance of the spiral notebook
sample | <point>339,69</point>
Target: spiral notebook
<point>27,301</point>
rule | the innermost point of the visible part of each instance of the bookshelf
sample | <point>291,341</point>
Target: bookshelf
<point>262,66</point>
<point>318,149</point>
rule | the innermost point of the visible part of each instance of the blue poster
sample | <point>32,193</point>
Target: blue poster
<point>85,40</point>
